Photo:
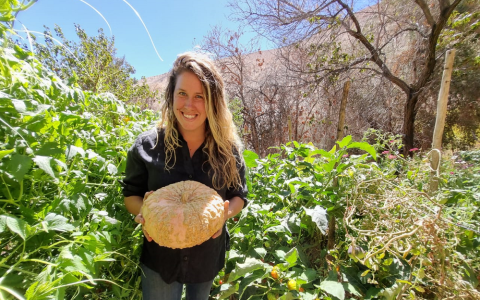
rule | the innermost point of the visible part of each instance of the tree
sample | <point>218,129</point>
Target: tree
<point>267,98</point>
<point>92,63</point>
<point>10,8</point>
<point>341,39</point>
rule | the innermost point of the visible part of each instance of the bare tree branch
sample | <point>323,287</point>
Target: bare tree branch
<point>426,12</point>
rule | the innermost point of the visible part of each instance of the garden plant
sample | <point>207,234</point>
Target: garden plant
<point>65,233</point>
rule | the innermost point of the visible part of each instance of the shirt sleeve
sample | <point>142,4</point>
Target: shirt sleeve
<point>135,182</point>
<point>241,191</point>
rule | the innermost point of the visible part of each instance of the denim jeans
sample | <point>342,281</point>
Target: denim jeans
<point>154,288</point>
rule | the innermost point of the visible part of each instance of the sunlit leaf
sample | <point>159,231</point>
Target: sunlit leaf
<point>58,223</point>
<point>291,257</point>
<point>3,153</point>
<point>17,226</point>
<point>250,158</point>
<point>112,170</point>
<point>74,150</point>
<point>365,147</point>
<point>345,141</point>
<point>227,289</point>
<point>319,217</point>
<point>19,106</point>
<point>250,265</point>
<point>333,288</point>
<point>43,162</point>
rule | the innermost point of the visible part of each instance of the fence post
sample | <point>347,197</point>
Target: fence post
<point>440,120</point>
<point>341,116</point>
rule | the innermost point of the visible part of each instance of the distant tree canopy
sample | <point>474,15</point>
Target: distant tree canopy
<point>392,42</point>
<point>91,63</point>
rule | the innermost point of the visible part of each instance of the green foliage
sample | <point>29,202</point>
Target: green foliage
<point>292,192</point>
<point>9,7</point>
<point>402,242</point>
<point>64,231</point>
<point>236,107</point>
<point>92,64</point>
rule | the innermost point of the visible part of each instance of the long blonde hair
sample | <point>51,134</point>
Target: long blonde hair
<point>221,139</point>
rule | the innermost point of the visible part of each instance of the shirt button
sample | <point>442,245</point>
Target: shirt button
<point>185,258</point>
<point>190,176</point>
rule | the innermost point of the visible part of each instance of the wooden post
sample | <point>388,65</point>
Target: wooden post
<point>340,136</point>
<point>440,120</point>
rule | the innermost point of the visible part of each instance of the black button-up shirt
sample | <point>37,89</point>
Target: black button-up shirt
<point>145,171</point>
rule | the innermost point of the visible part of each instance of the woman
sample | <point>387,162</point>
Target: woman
<point>196,140</point>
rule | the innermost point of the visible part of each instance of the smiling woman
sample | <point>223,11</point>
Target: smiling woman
<point>189,107</point>
<point>196,141</point>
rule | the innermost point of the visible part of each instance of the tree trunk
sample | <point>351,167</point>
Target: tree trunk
<point>409,122</point>
<point>340,136</point>
<point>331,233</point>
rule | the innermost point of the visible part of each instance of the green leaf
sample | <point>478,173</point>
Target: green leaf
<point>372,293</point>
<point>246,282</point>
<point>319,217</point>
<point>58,223</point>
<point>250,265</point>
<point>346,140</point>
<point>322,153</point>
<point>278,228</point>
<point>280,254</point>
<point>11,292</point>
<point>333,288</point>
<point>70,262</point>
<point>17,226</point>
<point>18,166</point>
<point>291,257</point>
<point>73,150</point>
<point>404,281</point>
<point>112,169</point>
<point>420,289</point>
<point>333,150</point>
<point>309,275</point>
<point>250,158</point>
<point>227,289</point>
<point>365,147</point>
<point>328,167</point>
<point>365,273</point>
<point>5,152</point>
<point>351,289</point>
<point>43,162</point>
<point>261,251</point>
<point>19,106</point>
<point>3,223</point>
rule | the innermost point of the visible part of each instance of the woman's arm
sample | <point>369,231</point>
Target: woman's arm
<point>133,204</point>
<point>232,207</point>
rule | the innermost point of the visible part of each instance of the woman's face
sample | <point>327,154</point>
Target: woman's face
<point>189,104</point>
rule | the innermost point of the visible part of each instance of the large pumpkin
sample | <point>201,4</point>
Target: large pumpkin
<point>183,214</point>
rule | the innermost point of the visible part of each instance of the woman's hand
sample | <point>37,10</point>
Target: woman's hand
<point>226,204</point>
<point>139,219</point>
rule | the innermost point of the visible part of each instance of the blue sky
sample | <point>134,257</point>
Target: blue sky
<point>175,26</point>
